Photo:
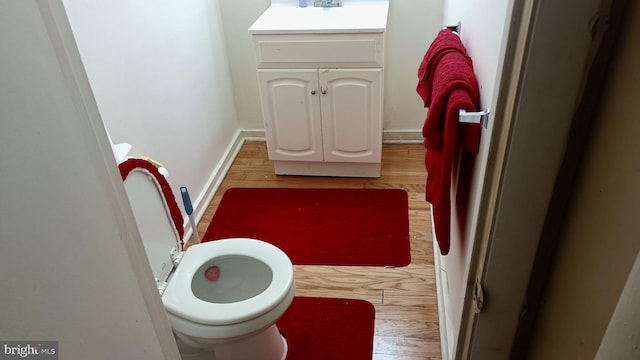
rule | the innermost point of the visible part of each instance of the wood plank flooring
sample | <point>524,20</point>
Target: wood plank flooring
<point>406,326</point>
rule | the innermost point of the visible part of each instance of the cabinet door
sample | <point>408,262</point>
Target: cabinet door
<point>351,101</point>
<point>291,110</point>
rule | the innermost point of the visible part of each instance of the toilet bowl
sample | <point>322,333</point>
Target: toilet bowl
<point>222,297</point>
<point>236,312</point>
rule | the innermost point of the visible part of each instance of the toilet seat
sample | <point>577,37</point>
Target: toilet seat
<point>180,301</point>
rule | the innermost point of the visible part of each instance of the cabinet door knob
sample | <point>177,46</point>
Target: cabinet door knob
<point>313,92</point>
<point>323,90</point>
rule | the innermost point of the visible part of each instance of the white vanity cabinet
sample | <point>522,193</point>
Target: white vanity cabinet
<point>323,114</point>
<point>321,100</point>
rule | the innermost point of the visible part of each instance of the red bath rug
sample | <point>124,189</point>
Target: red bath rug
<point>328,328</point>
<point>368,227</point>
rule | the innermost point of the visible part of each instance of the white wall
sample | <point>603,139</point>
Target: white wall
<point>66,230</point>
<point>410,28</point>
<point>236,21</point>
<point>483,27</point>
<point>160,75</point>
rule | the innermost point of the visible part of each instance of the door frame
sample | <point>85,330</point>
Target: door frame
<point>536,106</point>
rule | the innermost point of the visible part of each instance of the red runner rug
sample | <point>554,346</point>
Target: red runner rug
<point>368,227</point>
<point>328,328</point>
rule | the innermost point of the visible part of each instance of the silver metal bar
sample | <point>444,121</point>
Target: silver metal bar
<point>474,117</point>
<point>455,28</point>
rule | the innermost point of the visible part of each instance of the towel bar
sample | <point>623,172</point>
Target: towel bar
<point>475,117</point>
<point>455,28</point>
<point>479,117</point>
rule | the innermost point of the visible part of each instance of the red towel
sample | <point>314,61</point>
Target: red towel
<point>453,87</point>
<point>445,43</point>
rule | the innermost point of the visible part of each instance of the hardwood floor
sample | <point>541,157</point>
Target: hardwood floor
<point>406,325</point>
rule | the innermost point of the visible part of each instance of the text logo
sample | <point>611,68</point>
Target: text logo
<point>28,350</point>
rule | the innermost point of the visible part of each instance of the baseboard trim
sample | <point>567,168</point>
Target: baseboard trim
<point>402,137</point>
<point>253,135</point>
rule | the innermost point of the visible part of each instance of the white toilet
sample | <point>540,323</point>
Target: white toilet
<point>223,297</point>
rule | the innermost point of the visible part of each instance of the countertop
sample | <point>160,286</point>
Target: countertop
<point>354,16</point>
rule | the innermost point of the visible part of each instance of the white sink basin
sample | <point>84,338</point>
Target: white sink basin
<point>354,16</point>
